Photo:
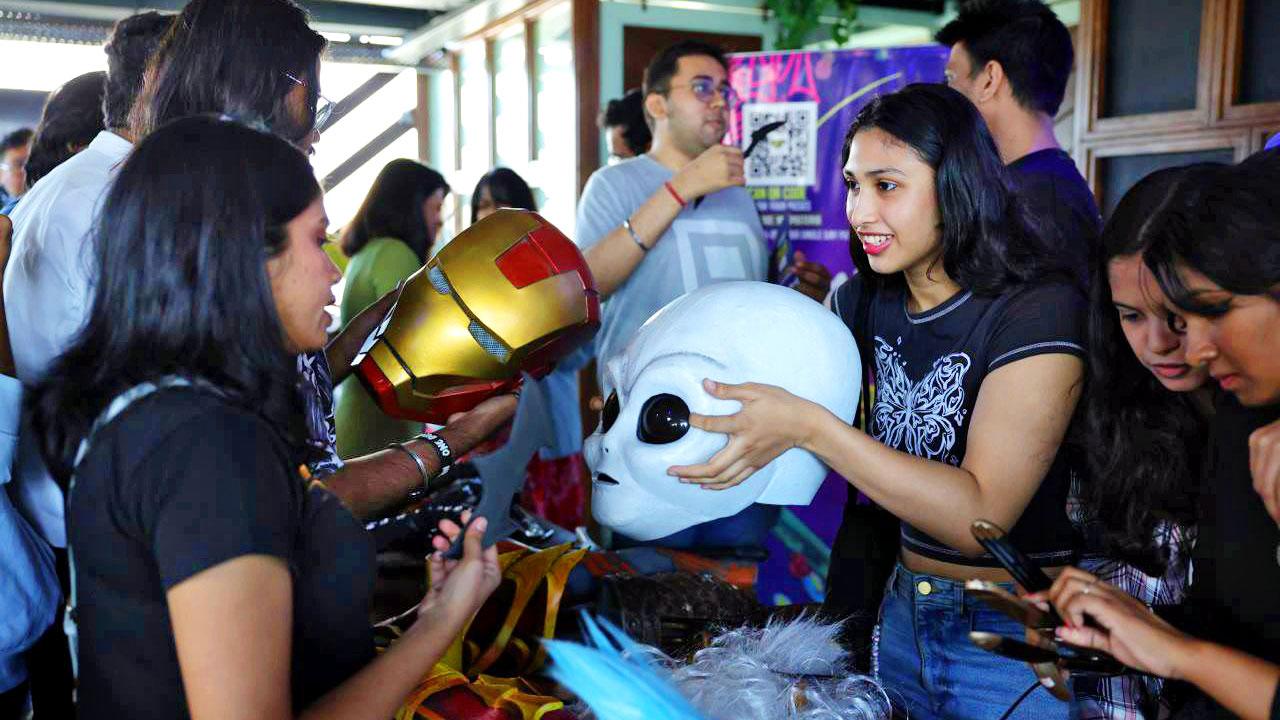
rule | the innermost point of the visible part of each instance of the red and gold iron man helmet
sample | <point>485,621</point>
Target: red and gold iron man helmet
<point>511,294</point>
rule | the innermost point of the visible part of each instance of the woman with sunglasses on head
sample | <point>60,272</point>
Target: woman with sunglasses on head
<point>1146,414</point>
<point>976,332</point>
<point>210,579</point>
<point>1217,258</point>
<point>270,77</point>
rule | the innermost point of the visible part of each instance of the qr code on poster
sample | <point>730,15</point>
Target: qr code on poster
<point>788,155</point>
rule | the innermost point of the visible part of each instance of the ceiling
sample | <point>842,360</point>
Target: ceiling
<point>369,30</point>
<point>371,24</point>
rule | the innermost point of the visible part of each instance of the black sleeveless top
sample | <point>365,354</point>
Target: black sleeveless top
<point>928,369</point>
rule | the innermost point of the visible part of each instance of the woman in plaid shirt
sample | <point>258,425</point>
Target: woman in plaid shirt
<point>1145,421</point>
<point>1215,252</point>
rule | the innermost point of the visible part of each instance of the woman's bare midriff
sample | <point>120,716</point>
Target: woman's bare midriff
<point>928,566</point>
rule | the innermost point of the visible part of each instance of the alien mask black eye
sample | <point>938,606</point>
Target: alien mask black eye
<point>610,414</point>
<point>663,419</point>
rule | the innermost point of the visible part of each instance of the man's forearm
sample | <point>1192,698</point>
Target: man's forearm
<point>616,256</point>
<point>370,484</point>
<point>341,350</point>
<point>339,361</point>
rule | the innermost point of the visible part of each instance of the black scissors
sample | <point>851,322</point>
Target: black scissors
<point>760,134</point>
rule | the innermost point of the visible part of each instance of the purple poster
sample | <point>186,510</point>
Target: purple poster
<point>795,177</point>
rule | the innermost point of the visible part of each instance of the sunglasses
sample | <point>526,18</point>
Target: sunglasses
<point>705,89</point>
<point>324,106</point>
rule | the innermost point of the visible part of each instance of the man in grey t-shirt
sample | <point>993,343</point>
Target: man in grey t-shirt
<point>675,219</point>
<point>721,240</point>
<point>678,217</point>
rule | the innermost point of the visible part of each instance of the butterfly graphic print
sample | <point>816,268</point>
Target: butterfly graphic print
<point>921,418</point>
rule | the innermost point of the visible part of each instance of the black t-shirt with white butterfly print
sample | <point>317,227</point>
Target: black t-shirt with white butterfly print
<point>928,369</point>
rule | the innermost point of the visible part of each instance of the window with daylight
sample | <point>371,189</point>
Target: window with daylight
<point>516,100</point>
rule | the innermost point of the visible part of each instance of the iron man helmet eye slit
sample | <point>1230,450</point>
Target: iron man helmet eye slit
<point>439,281</point>
<point>486,340</point>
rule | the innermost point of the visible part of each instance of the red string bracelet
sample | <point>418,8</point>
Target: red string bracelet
<point>671,189</point>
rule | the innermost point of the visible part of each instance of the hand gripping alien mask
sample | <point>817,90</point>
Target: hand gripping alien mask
<point>511,294</point>
<point>733,332</point>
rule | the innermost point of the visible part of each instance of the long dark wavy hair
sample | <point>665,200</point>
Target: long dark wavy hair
<point>507,189</point>
<point>393,208</point>
<point>1144,441</point>
<point>235,57</point>
<point>989,242</point>
<point>70,120</point>
<point>129,49</point>
<point>180,251</point>
<point>1230,233</point>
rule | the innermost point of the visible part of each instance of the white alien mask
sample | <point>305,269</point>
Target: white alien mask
<point>732,332</point>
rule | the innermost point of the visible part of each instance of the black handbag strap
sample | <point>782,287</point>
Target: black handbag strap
<point>862,336</point>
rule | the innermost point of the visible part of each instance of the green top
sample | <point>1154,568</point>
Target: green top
<point>373,272</point>
<point>333,249</point>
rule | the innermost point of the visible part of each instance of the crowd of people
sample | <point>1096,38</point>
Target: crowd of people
<point>189,462</point>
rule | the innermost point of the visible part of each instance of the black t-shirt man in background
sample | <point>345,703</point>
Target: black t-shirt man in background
<point>1012,59</point>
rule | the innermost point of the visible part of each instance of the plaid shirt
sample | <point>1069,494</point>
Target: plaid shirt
<point>1136,697</point>
<point>317,392</point>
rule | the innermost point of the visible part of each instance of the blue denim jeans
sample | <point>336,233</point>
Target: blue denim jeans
<point>929,667</point>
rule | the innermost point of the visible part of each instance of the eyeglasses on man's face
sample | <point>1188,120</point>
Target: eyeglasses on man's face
<point>705,89</point>
<point>324,106</point>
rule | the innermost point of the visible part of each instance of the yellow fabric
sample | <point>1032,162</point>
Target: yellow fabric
<point>504,693</point>
<point>440,678</point>
<point>509,694</point>
<point>526,570</point>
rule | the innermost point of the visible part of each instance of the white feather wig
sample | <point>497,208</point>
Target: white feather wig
<point>793,670</point>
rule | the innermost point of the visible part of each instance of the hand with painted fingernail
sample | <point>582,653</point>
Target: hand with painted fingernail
<point>1121,625</point>
<point>460,587</point>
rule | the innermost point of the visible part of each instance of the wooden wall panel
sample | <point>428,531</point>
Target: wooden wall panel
<point>1237,35</point>
<point>1145,35</point>
<point>1218,128</point>
<point>640,44</point>
<point>1117,167</point>
<point>422,119</point>
<point>586,60</point>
